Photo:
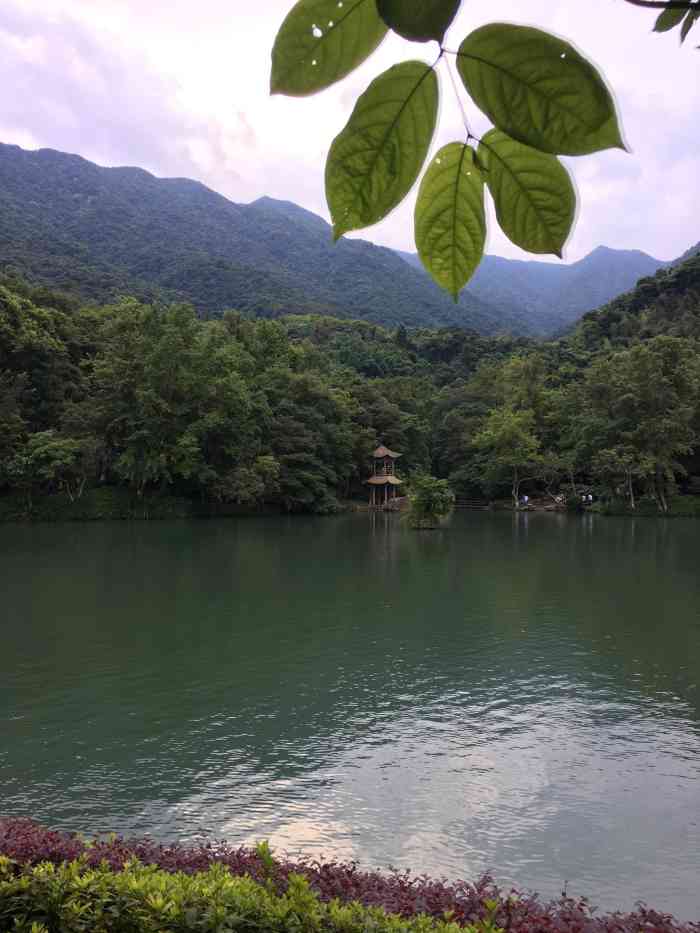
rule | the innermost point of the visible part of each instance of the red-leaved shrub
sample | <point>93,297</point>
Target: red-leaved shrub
<point>27,843</point>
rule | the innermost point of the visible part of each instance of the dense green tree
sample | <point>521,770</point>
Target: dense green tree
<point>285,413</point>
<point>166,397</point>
<point>46,461</point>
<point>639,406</point>
<point>509,449</point>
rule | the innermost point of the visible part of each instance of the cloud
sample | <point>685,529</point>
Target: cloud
<point>183,91</point>
<point>74,92</point>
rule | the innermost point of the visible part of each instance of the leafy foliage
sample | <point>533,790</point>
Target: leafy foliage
<point>532,191</point>
<point>510,448</point>
<point>63,883</point>
<point>136,409</point>
<point>685,17</point>
<point>321,41</point>
<point>667,303</point>
<point>450,218</point>
<point>419,20</point>
<point>376,159</point>
<point>538,91</point>
<point>431,500</point>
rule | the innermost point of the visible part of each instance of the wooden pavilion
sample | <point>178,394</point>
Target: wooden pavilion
<point>383,478</point>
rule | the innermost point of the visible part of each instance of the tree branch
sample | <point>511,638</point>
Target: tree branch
<point>666,4</point>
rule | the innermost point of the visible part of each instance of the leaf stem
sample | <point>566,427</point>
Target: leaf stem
<point>458,96</point>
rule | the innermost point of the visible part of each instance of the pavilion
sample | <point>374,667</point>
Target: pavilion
<point>384,475</point>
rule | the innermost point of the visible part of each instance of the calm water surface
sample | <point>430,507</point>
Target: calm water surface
<point>519,694</point>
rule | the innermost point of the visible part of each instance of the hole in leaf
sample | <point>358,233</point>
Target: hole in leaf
<point>313,62</point>
<point>438,161</point>
<point>563,55</point>
<point>330,23</point>
<point>317,33</point>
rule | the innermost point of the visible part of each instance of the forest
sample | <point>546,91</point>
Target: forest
<point>148,409</point>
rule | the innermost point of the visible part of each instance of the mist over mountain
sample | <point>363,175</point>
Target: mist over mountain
<point>101,232</point>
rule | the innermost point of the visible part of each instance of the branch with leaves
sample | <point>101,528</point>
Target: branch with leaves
<point>543,97</point>
<point>675,14</point>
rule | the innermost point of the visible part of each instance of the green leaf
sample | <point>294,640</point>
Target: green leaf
<point>375,160</point>
<point>533,193</point>
<point>688,23</point>
<point>538,89</point>
<point>668,19</point>
<point>450,221</point>
<point>321,41</point>
<point>419,20</point>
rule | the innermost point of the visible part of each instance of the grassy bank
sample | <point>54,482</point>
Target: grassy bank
<point>59,883</point>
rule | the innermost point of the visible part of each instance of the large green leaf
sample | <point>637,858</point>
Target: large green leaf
<point>375,160</point>
<point>450,221</point>
<point>321,41</point>
<point>668,19</point>
<point>533,193</point>
<point>419,20</point>
<point>538,89</point>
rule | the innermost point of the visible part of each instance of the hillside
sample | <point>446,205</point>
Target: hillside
<point>100,232</point>
<point>665,304</point>
<point>554,295</point>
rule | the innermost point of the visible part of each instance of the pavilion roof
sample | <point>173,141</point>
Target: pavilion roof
<point>384,480</point>
<point>383,451</point>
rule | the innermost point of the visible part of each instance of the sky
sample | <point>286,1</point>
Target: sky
<point>180,88</point>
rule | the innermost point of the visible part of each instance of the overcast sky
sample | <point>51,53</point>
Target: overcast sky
<point>180,87</point>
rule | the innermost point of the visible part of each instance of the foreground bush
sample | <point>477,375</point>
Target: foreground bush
<point>71,898</point>
<point>70,885</point>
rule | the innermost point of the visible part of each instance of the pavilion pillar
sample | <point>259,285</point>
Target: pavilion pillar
<point>386,493</point>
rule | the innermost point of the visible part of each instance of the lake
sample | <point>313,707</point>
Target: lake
<point>518,693</point>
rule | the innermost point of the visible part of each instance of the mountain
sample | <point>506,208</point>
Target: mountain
<point>693,251</point>
<point>101,232</point>
<point>667,303</point>
<point>553,295</point>
<point>68,223</point>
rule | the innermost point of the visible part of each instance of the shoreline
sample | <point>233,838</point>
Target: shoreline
<point>114,504</point>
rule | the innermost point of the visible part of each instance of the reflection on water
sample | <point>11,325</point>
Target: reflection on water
<point>515,693</point>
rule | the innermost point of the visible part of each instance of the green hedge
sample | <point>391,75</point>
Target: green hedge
<point>72,898</point>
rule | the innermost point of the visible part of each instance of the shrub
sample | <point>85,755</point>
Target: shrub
<point>63,882</point>
<point>72,898</point>
<point>431,500</point>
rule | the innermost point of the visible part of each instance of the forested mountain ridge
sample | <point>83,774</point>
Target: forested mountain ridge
<point>667,303</point>
<point>103,232</point>
<point>552,295</point>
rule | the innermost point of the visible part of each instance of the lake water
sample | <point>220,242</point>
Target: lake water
<point>514,693</point>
